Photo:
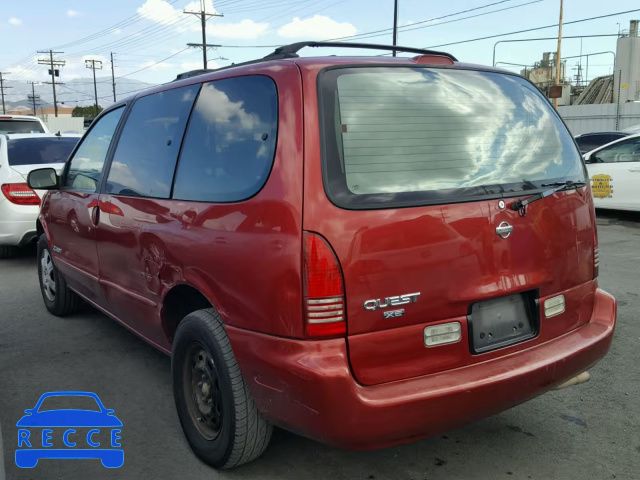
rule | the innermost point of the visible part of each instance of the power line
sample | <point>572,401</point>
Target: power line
<point>155,63</point>
<point>532,29</point>
<point>109,30</point>
<point>122,24</point>
<point>247,7</point>
<point>138,36</point>
<point>459,19</point>
<point>402,28</point>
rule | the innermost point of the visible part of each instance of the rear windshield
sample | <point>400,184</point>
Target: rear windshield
<point>20,126</point>
<point>38,151</point>
<point>417,136</point>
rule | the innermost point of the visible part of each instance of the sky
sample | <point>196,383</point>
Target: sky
<point>148,37</point>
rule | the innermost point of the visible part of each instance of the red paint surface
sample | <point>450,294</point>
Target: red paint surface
<point>307,387</point>
<point>379,385</point>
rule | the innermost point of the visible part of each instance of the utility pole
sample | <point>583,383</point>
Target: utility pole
<point>395,24</point>
<point>2,89</point>
<point>53,71</point>
<point>203,20</point>
<point>92,65</point>
<point>113,79</point>
<point>558,57</point>
<point>33,97</point>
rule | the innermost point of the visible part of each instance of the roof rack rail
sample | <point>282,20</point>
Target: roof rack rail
<point>193,73</point>
<point>291,50</point>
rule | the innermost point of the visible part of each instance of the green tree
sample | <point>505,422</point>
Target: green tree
<point>89,111</point>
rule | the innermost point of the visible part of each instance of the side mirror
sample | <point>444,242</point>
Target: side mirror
<point>43,179</point>
<point>588,158</point>
<point>29,411</point>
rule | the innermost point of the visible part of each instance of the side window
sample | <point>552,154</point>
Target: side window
<point>230,144</point>
<point>145,157</point>
<point>85,168</point>
<point>628,151</point>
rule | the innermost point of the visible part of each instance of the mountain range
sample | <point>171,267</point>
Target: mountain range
<point>76,92</point>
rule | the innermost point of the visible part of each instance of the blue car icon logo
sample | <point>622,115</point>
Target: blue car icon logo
<point>92,431</point>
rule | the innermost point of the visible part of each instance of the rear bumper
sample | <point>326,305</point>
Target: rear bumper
<point>307,386</point>
<point>17,223</point>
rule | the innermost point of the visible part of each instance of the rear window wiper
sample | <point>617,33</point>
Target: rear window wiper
<point>521,205</point>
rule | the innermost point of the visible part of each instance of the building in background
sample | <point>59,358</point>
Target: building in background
<point>543,76</point>
<point>626,81</point>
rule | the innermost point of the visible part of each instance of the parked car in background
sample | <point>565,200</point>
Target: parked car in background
<point>363,250</point>
<point>589,141</point>
<point>614,170</point>
<point>21,124</point>
<point>19,204</point>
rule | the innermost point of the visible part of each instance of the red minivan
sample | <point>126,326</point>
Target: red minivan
<point>362,250</point>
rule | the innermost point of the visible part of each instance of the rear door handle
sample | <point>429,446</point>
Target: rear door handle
<point>95,216</point>
<point>634,169</point>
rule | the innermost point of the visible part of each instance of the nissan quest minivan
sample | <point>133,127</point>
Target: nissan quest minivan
<point>362,250</point>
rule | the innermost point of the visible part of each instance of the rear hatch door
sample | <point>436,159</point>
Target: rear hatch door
<point>421,169</point>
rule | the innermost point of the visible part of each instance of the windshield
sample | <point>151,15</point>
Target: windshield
<point>20,126</point>
<point>39,151</point>
<point>408,136</point>
<point>69,402</point>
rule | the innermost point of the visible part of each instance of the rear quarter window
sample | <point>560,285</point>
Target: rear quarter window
<point>230,143</point>
<point>145,158</point>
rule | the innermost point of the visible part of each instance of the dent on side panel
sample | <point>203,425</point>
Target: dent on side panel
<point>243,257</point>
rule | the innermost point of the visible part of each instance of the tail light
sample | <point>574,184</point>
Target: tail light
<point>20,194</point>
<point>596,261</point>
<point>323,289</point>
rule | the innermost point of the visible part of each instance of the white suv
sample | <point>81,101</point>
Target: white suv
<point>21,124</point>
<point>19,205</point>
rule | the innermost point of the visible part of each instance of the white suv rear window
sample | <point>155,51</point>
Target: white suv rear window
<point>20,126</point>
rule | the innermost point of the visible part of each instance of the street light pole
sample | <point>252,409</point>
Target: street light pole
<point>558,57</point>
<point>395,25</point>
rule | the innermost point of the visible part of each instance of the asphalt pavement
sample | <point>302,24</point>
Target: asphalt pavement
<point>591,431</point>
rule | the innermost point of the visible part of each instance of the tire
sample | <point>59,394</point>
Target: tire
<point>58,298</point>
<point>7,251</point>
<point>237,433</point>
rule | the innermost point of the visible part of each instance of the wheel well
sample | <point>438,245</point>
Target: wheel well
<point>178,303</point>
<point>39,228</point>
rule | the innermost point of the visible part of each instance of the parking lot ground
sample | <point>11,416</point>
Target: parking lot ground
<point>591,431</point>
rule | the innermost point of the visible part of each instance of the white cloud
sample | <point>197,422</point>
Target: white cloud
<point>318,26</point>
<point>72,13</point>
<point>15,21</point>
<point>158,11</point>
<point>243,29</point>
<point>195,6</point>
<point>161,11</point>
<point>117,31</point>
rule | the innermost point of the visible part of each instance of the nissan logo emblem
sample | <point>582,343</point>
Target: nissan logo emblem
<point>504,230</point>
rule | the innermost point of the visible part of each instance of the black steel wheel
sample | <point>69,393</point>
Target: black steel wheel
<point>218,415</point>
